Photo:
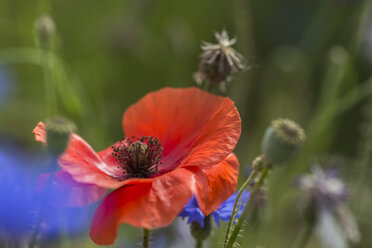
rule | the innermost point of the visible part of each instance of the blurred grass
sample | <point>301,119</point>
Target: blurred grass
<point>306,64</point>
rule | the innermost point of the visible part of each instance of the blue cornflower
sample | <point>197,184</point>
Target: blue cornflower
<point>324,199</point>
<point>193,212</point>
<point>16,204</point>
<point>20,204</point>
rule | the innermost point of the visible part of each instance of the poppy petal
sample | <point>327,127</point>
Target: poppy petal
<point>218,138</point>
<point>86,166</point>
<point>215,184</point>
<point>40,133</point>
<point>66,192</point>
<point>150,204</point>
<point>106,156</point>
<point>83,163</point>
<point>192,124</point>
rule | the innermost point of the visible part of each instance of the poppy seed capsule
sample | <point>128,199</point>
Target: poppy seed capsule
<point>138,157</point>
<point>138,152</point>
<point>283,139</point>
<point>58,134</point>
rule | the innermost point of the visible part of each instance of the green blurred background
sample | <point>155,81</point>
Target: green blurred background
<point>308,60</point>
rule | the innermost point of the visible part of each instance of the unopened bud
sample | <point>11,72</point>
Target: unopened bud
<point>259,163</point>
<point>201,233</point>
<point>45,28</point>
<point>58,134</point>
<point>283,139</point>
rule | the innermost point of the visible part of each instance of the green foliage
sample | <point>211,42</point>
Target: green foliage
<point>306,61</point>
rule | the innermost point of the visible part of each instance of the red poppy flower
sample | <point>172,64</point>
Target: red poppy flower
<point>70,192</point>
<point>179,144</point>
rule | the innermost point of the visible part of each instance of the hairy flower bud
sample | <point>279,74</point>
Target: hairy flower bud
<point>45,28</point>
<point>58,134</point>
<point>259,163</point>
<point>201,233</point>
<point>283,139</point>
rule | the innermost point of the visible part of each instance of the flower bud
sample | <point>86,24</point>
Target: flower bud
<point>45,28</point>
<point>283,139</point>
<point>201,233</point>
<point>259,163</point>
<point>58,134</point>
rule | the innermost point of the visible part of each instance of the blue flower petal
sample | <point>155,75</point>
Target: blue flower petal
<point>226,208</point>
<point>193,212</point>
<point>20,204</point>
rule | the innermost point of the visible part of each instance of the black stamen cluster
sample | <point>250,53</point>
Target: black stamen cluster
<point>139,157</point>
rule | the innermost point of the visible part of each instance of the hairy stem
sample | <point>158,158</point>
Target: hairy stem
<point>199,244</point>
<point>305,236</point>
<point>50,94</point>
<point>145,242</point>
<point>246,211</point>
<point>237,200</point>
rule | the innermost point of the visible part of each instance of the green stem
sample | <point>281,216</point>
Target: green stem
<point>145,242</point>
<point>361,22</point>
<point>364,155</point>
<point>352,74</point>
<point>49,87</point>
<point>312,41</point>
<point>305,236</point>
<point>199,244</point>
<point>235,209</point>
<point>246,211</point>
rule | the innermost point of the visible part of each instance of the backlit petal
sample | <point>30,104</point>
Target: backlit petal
<point>215,184</point>
<point>107,158</point>
<point>83,163</point>
<point>64,191</point>
<point>150,204</point>
<point>40,133</point>
<point>193,125</point>
<point>86,166</point>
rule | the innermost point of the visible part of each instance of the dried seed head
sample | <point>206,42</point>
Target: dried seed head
<point>219,61</point>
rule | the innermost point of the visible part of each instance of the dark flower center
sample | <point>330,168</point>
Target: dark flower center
<point>138,157</point>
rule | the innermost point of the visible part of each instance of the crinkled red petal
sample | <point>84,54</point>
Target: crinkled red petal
<point>64,191</point>
<point>196,127</point>
<point>86,166</point>
<point>83,163</point>
<point>106,156</point>
<point>150,204</point>
<point>215,184</point>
